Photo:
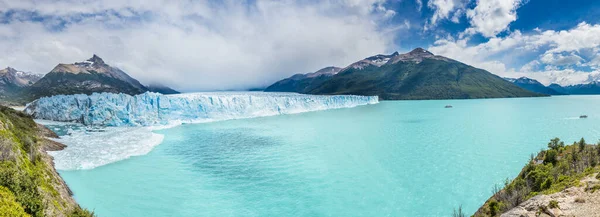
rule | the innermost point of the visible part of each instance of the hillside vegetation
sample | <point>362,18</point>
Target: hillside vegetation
<point>29,185</point>
<point>551,171</point>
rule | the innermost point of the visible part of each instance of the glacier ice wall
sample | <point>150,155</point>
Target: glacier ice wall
<point>150,109</point>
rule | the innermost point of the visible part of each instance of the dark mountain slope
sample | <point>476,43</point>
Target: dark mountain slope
<point>418,74</point>
<point>303,82</point>
<point>92,75</point>
<point>533,86</point>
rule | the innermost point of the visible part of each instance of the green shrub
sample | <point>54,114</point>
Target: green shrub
<point>553,204</point>
<point>546,184</point>
<point>494,207</point>
<point>581,144</point>
<point>9,205</point>
<point>550,156</point>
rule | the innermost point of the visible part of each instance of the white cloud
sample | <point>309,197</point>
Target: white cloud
<point>560,60</point>
<point>562,54</point>
<point>445,9</point>
<point>491,17</point>
<point>196,45</point>
<point>419,5</point>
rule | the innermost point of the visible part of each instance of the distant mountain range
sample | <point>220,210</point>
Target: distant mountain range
<point>533,86</point>
<point>13,81</point>
<point>578,89</point>
<point>418,74</point>
<point>92,75</point>
<point>556,89</point>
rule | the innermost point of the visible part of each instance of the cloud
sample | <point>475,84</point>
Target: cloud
<point>560,59</point>
<point>491,17</point>
<point>194,45</point>
<point>445,9</point>
<point>419,5</point>
<point>558,56</point>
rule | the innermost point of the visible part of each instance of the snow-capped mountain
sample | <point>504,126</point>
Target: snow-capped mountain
<point>418,74</point>
<point>86,77</point>
<point>533,86</point>
<point>19,78</point>
<point>591,88</point>
<point>13,82</point>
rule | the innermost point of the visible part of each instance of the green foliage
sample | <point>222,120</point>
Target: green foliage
<point>581,144</point>
<point>9,207</point>
<point>556,144</point>
<point>550,156</point>
<point>23,172</point>
<point>553,204</point>
<point>494,207</point>
<point>24,186</point>
<point>546,184</point>
<point>563,167</point>
<point>79,212</point>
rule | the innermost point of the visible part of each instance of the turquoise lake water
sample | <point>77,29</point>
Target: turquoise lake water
<point>396,158</point>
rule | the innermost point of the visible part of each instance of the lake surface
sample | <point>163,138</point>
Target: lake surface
<point>396,158</point>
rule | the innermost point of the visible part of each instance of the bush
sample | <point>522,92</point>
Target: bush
<point>9,205</point>
<point>553,204</point>
<point>581,144</point>
<point>556,144</point>
<point>550,157</point>
<point>546,184</point>
<point>495,207</point>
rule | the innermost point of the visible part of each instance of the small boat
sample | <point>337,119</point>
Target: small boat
<point>583,116</point>
<point>448,106</point>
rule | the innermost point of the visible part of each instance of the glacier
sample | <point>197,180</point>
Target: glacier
<point>104,128</point>
<point>152,109</point>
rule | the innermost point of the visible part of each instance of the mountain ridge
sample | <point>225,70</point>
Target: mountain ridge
<point>87,77</point>
<point>418,74</point>
<point>533,86</point>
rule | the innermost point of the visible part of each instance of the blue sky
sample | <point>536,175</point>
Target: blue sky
<point>220,45</point>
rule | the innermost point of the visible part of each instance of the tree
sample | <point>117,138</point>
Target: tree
<point>550,156</point>
<point>581,144</point>
<point>556,144</point>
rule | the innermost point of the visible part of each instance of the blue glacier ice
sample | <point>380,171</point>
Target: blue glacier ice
<point>152,109</point>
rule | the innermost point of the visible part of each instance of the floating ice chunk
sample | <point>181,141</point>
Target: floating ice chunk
<point>88,148</point>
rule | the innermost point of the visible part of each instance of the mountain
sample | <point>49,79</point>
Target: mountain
<point>301,83</point>
<point>418,74</point>
<point>556,87</point>
<point>13,81</point>
<point>159,88</point>
<point>578,89</point>
<point>533,86</point>
<point>92,75</point>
